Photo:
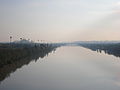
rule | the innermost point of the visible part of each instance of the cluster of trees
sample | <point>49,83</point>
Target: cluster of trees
<point>23,40</point>
<point>13,58</point>
<point>111,48</point>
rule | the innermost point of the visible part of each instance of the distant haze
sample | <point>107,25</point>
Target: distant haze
<point>60,20</point>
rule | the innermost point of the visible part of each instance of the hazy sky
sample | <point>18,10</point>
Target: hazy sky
<point>60,20</point>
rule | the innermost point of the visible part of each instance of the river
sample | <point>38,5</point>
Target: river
<point>67,68</point>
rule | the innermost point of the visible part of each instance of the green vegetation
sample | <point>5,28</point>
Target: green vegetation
<point>13,58</point>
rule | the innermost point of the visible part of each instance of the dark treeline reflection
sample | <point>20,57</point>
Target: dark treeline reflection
<point>111,48</point>
<point>12,59</point>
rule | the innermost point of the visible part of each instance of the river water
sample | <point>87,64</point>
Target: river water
<point>67,68</point>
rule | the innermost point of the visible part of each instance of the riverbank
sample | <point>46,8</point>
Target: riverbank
<point>109,48</point>
<point>9,53</point>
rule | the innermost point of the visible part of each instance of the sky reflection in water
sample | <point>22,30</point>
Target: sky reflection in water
<point>70,68</point>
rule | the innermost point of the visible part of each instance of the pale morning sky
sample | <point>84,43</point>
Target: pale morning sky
<point>60,20</point>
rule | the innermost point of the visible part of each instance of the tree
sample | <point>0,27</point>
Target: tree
<point>10,39</point>
<point>20,38</point>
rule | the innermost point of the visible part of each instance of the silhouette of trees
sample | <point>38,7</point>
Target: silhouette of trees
<point>20,38</point>
<point>111,49</point>
<point>10,39</point>
<point>13,58</point>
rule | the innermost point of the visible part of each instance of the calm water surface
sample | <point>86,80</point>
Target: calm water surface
<point>68,68</point>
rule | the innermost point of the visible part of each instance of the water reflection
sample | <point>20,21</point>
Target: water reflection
<point>9,65</point>
<point>70,68</point>
<point>110,49</point>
